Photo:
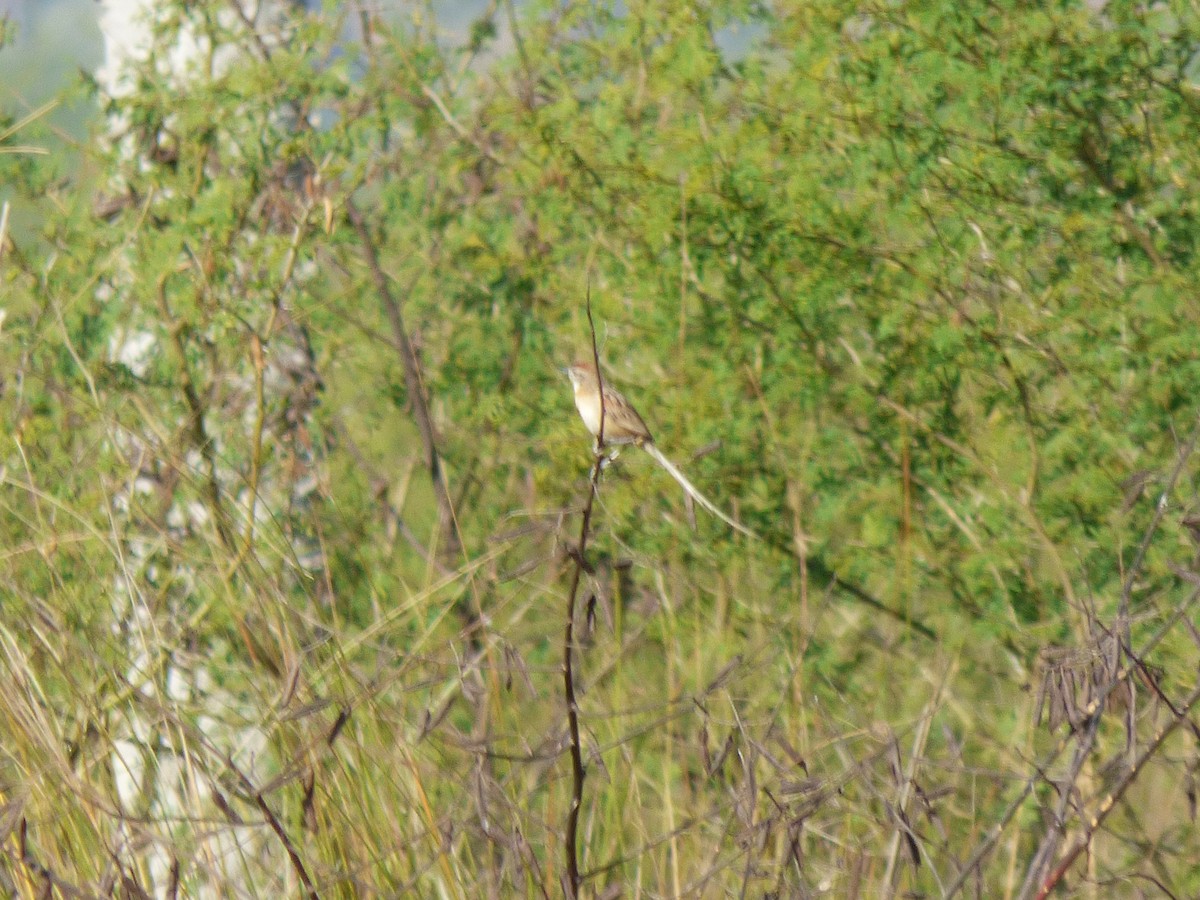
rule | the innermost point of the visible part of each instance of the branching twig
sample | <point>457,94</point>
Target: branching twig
<point>1097,702</point>
<point>577,773</point>
<point>1054,831</point>
<point>276,826</point>
<point>412,376</point>
<point>1160,510</point>
<point>993,834</point>
<point>1108,804</point>
<point>197,432</point>
<point>1050,844</point>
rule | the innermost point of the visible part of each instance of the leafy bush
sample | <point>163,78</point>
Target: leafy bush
<point>291,482</point>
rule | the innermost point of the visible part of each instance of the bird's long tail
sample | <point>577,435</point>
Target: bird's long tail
<point>691,490</point>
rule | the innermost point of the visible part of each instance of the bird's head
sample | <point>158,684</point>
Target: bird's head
<point>582,374</point>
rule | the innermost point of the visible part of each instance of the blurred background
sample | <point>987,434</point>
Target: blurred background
<point>292,488</point>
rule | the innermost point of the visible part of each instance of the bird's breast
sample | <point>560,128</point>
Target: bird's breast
<point>589,411</point>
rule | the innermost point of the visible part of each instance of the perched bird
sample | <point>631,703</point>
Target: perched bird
<point>614,421</point>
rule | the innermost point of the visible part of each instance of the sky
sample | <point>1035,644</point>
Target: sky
<point>49,41</point>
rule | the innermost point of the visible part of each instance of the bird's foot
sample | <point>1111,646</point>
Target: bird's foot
<point>609,459</point>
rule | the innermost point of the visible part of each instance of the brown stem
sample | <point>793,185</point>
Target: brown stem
<point>1058,823</point>
<point>198,434</point>
<point>1109,803</point>
<point>577,774</point>
<point>993,833</point>
<point>412,377</point>
<point>1160,510</point>
<point>256,794</point>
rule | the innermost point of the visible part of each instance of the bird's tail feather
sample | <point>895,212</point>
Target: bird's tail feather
<point>692,491</point>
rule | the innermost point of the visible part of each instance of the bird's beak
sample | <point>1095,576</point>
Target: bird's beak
<point>566,370</point>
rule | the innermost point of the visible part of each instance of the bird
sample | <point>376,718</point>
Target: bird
<point>615,422</point>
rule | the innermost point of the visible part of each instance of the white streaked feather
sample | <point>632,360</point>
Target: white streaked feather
<point>692,491</point>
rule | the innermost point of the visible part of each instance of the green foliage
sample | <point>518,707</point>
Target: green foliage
<point>906,286</point>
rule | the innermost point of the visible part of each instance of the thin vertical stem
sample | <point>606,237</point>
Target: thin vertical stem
<point>571,838</point>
